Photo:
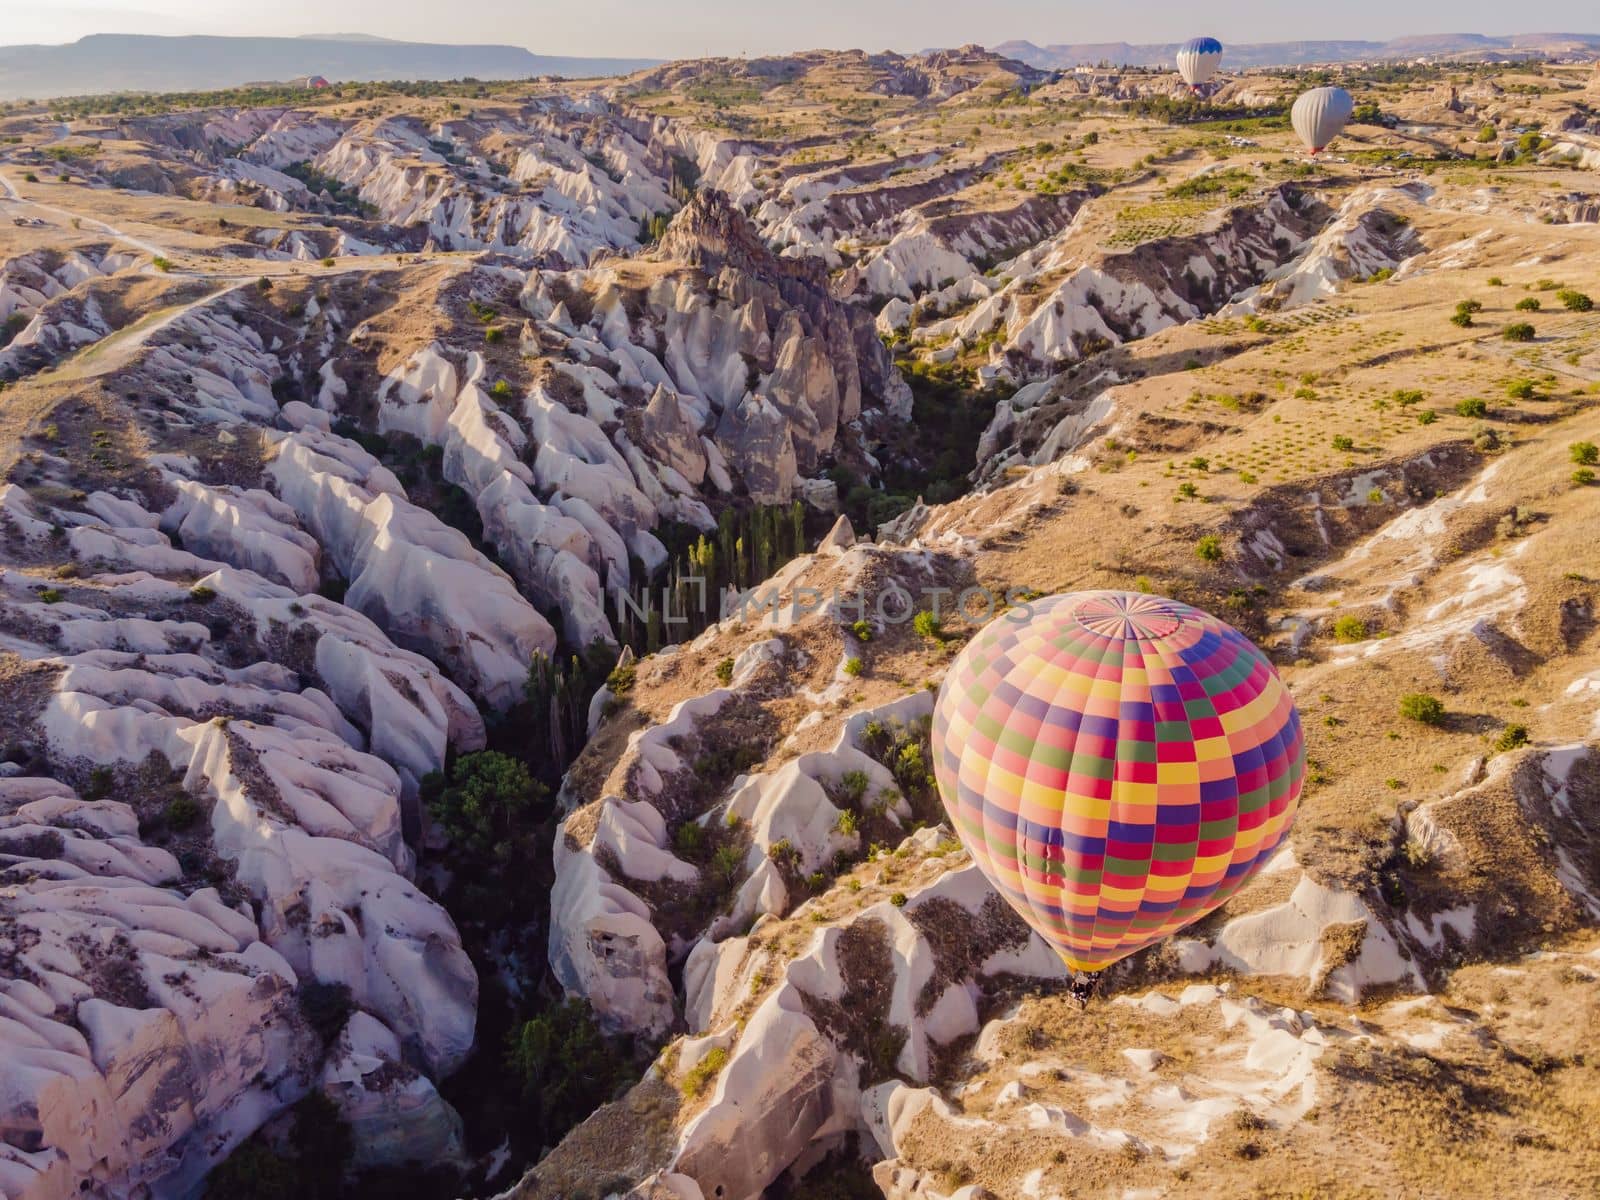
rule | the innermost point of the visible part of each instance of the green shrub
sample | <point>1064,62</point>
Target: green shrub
<point>1511,737</point>
<point>161,264</point>
<point>622,678</point>
<point>847,823</point>
<point>486,805</point>
<point>1343,442</point>
<point>700,1076</point>
<point>263,285</point>
<point>1406,398</point>
<point>181,812</point>
<point>1487,134</point>
<point>201,594</point>
<point>1427,417</point>
<point>1417,856</point>
<point>928,626</point>
<point>1350,629</point>
<point>1470,306</point>
<point>853,785</point>
<point>898,899</point>
<point>1472,407</point>
<point>567,1066</point>
<point>1529,304</point>
<point>1585,454</point>
<point>328,262</point>
<point>1522,389</point>
<point>1209,548</point>
<point>501,390</point>
<point>494,335</point>
<point>1574,301</point>
<point>725,672</point>
<point>1462,319</point>
<point>862,631</point>
<point>1418,706</point>
<point>52,596</point>
<point>1519,332</point>
<point>690,838</point>
<point>1583,476</point>
<point>853,667</point>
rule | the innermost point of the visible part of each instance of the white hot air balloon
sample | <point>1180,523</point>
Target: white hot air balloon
<point>1198,60</point>
<point>1320,114</point>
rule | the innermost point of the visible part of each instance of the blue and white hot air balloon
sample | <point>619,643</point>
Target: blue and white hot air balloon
<point>1198,60</point>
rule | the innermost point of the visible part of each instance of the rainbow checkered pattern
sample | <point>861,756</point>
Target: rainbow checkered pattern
<point>1118,765</point>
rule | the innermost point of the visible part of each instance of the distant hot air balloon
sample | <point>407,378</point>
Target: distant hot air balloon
<point>1118,765</point>
<point>1198,60</point>
<point>1320,114</point>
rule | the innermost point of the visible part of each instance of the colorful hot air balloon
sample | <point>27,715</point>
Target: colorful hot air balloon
<point>1198,60</point>
<point>1320,114</point>
<point>1118,765</point>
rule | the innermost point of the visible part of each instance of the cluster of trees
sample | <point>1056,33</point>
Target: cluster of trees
<point>748,546</point>
<point>131,104</point>
<point>345,199</point>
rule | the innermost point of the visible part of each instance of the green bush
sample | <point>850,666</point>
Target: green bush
<point>52,596</point>
<point>487,805</point>
<point>568,1068</point>
<point>181,812</point>
<point>201,594</point>
<point>853,786</point>
<point>862,631</point>
<point>263,285</point>
<point>325,1006</point>
<point>1574,301</point>
<point>853,667</point>
<point>1529,304</point>
<point>725,672</point>
<point>1406,398</point>
<point>1519,332</point>
<point>1343,442</point>
<point>1522,389</point>
<point>1583,476</point>
<point>1418,706</point>
<point>1472,407</point>
<point>1462,319</point>
<point>928,626</point>
<point>1209,548</point>
<point>501,390</point>
<point>1350,629</point>
<point>700,1076</point>
<point>1470,306</point>
<point>690,838</point>
<point>1511,737</point>
<point>1427,417</point>
<point>1585,454</point>
<point>161,264</point>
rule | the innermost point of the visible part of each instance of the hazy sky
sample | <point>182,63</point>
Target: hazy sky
<point>679,28</point>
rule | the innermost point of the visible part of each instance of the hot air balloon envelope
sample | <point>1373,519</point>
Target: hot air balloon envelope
<point>1199,59</point>
<point>1117,764</point>
<point>1320,114</point>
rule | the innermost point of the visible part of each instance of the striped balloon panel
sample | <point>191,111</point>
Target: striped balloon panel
<point>1118,765</point>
